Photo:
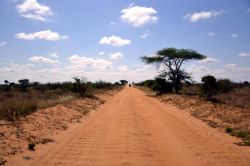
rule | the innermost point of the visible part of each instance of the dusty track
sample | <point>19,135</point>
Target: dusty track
<point>134,129</point>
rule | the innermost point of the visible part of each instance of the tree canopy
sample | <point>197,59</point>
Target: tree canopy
<point>123,82</point>
<point>169,61</point>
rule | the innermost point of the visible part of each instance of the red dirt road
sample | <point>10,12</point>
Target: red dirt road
<point>135,129</point>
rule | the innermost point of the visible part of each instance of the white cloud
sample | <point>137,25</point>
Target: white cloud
<point>91,68</point>
<point>123,68</point>
<point>42,59</point>
<point>234,35</point>
<point>12,67</point>
<point>116,56</point>
<point>78,62</point>
<point>114,41</point>
<point>211,34</point>
<point>209,60</point>
<point>248,10</point>
<point>244,54</point>
<point>112,23</point>
<point>3,43</point>
<point>54,55</point>
<point>145,35</point>
<point>231,71</point>
<point>33,10</point>
<point>230,65</point>
<point>101,53</point>
<point>138,15</point>
<point>30,65</point>
<point>42,35</point>
<point>193,17</point>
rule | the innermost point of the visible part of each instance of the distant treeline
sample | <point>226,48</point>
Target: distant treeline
<point>24,97</point>
<point>209,87</point>
<point>78,86</point>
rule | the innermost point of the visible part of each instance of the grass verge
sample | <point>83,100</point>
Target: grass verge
<point>244,135</point>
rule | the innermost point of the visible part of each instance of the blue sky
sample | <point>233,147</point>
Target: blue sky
<point>49,41</point>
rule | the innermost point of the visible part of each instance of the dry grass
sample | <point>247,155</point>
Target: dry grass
<point>238,97</point>
<point>14,104</point>
<point>12,108</point>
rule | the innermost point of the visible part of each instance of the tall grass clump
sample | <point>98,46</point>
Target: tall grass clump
<point>11,109</point>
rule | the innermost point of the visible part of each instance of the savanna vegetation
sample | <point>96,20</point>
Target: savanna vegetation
<point>24,97</point>
<point>175,80</point>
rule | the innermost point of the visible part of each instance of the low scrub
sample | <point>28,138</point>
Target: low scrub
<point>244,135</point>
<point>238,97</point>
<point>31,146</point>
<point>11,109</point>
<point>159,85</point>
<point>23,98</point>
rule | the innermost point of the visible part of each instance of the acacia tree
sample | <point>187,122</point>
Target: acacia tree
<point>169,62</point>
<point>123,82</point>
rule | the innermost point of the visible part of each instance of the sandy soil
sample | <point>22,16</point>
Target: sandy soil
<point>43,126</point>
<point>134,129</point>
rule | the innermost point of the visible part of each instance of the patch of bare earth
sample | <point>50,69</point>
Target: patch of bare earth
<point>214,114</point>
<point>40,126</point>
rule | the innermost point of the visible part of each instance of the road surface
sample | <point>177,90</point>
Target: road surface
<point>135,129</point>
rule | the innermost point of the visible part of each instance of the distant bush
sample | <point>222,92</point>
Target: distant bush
<point>149,83</point>
<point>102,85</point>
<point>224,85</point>
<point>161,86</point>
<point>117,84</point>
<point>24,84</point>
<point>81,87</point>
<point>192,90</point>
<point>209,87</point>
<point>245,84</point>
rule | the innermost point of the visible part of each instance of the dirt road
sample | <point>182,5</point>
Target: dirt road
<point>135,129</point>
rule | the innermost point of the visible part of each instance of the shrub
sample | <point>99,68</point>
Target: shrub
<point>244,135</point>
<point>209,86</point>
<point>245,84</point>
<point>224,85</point>
<point>117,84</point>
<point>149,83</point>
<point>31,146</point>
<point>161,86</point>
<point>229,130</point>
<point>81,87</point>
<point>24,84</point>
<point>102,85</point>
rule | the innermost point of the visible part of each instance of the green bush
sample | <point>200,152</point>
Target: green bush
<point>229,130</point>
<point>161,86</point>
<point>224,85</point>
<point>209,87</point>
<point>102,85</point>
<point>149,83</point>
